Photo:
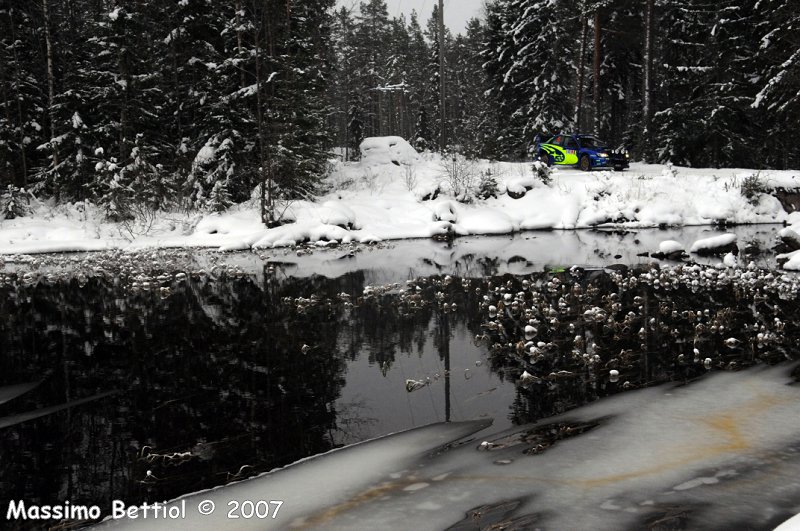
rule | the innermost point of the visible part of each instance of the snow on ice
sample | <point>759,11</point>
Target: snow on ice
<point>721,449</point>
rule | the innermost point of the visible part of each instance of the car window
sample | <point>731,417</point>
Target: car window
<point>557,140</point>
<point>570,143</point>
<point>591,142</point>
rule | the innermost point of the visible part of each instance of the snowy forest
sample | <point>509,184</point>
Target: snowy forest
<point>197,104</point>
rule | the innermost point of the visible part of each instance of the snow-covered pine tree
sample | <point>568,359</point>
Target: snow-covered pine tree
<point>294,73</point>
<point>341,83</point>
<point>619,71</point>
<point>21,96</point>
<point>395,92</point>
<point>472,125</point>
<point>370,54</point>
<point>355,128</point>
<point>418,86</point>
<point>14,202</point>
<point>776,76</point>
<point>423,136</point>
<point>212,174</point>
<point>526,46</point>
<point>705,95</point>
<point>433,95</point>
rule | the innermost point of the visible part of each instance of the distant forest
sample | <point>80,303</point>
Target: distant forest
<point>197,103</point>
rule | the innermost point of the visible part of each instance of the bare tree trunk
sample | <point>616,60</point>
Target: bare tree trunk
<point>7,109</point>
<point>596,91</point>
<point>50,87</point>
<point>581,72</point>
<point>443,130</point>
<point>176,83</point>
<point>124,71</point>
<point>265,165</point>
<point>647,89</point>
<point>18,83</point>
<point>6,103</point>
<point>238,7</point>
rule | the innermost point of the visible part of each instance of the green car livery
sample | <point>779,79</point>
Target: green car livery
<point>584,151</point>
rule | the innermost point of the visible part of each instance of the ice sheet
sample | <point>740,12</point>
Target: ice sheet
<point>722,451</point>
<point>339,477</point>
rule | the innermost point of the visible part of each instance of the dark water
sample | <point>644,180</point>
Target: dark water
<point>198,381</point>
<point>143,389</point>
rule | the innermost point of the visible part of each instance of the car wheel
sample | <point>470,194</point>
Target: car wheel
<point>585,164</point>
<point>546,158</point>
<point>618,168</point>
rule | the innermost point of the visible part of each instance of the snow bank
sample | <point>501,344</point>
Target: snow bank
<point>395,193</point>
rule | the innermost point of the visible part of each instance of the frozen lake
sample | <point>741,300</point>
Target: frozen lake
<point>146,377</point>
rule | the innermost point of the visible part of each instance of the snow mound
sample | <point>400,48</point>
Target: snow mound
<point>520,185</point>
<point>338,213</point>
<point>387,150</point>
<point>445,211</point>
<point>485,221</point>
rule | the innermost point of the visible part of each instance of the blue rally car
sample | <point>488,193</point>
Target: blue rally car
<point>584,151</point>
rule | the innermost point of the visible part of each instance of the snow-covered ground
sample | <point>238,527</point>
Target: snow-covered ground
<point>378,199</point>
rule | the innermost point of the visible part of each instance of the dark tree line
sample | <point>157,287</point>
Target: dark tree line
<point>195,103</point>
<point>189,102</point>
<point>694,82</point>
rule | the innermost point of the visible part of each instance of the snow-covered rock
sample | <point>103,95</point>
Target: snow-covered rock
<point>729,260</point>
<point>387,150</point>
<point>724,243</point>
<point>669,249</point>
<point>790,238</point>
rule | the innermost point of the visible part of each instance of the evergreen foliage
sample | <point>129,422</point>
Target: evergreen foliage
<point>196,103</point>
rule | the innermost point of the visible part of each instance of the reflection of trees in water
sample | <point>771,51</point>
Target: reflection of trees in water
<point>647,325</point>
<point>222,379</point>
<point>213,377</point>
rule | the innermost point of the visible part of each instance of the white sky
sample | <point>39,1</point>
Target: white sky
<point>456,12</point>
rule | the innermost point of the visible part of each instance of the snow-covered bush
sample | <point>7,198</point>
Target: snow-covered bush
<point>461,174</point>
<point>114,194</point>
<point>410,177</point>
<point>487,187</point>
<point>542,172</point>
<point>752,187</point>
<point>219,199</point>
<point>669,170</point>
<point>133,188</point>
<point>150,186</point>
<point>14,203</point>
